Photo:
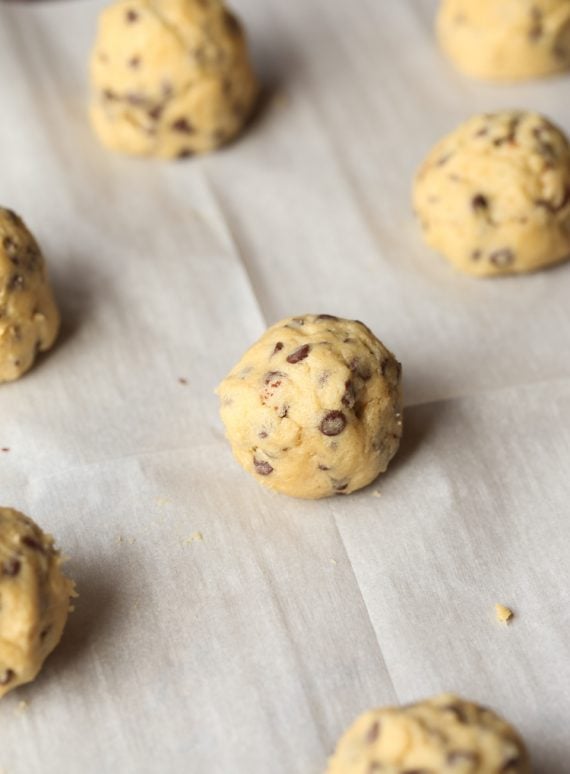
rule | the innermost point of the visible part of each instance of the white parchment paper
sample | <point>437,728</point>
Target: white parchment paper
<point>250,650</point>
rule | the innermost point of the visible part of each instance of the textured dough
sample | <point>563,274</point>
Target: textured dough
<point>443,735</point>
<point>29,319</point>
<point>170,78</point>
<point>313,408</point>
<point>494,195</point>
<point>506,39</point>
<point>34,599</point>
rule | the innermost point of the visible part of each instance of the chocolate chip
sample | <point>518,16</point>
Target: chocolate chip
<point>31,542</point>
<point>299,354</point>
<point>373,731</point>
<point>476,254</point>
<point>349,397</point>
<point>479,202</point>
<point>326,317</point>
<point>262,467</point>
<point>183,126</point>
<point>110,95</point>
<point>8,675</point>
<point>360,368</point>
<point>502,258</point>
<point>44,632</point>
<point>274,378</point>
<point>323,467</point>
<point>5,449</point>
<point>554,208</point>
<point>232,24</point>
<point>11,567</point>
<point>443,159</point>
<point>510,764</point>
<point>134,62</point>
<point>278,347</point>
<point>262,434</point>
<point>155,112</point>
<point>131,16</point>
<point>333,423</point>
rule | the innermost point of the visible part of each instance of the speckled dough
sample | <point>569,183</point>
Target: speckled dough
<point>29,319</point>
<point>494,195</point>
<point>34,599</point>
<point>313,408</point>
<point>444,735</point>
<point>170,78</point>
<point>506,39</point>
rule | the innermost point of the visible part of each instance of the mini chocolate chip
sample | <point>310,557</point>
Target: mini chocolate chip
<point>443,159</point>
<point>299,354</point>
<point>262,467</point>
<point>131,16</point>
<point>349,397</point>
<point>262,434</point>
<point>109,95</point>
<point>5,449</point>
<point>183,126</point>
<point>44,632</point>
<point>476,254</point>
<point>502,258</point>
<point>326,317</point>
<point>232,24</point>
<point>554,208</point>
<point>8,675</point>
<point>479,202</point>
<point>31,542</point>
<point>155,112</point>
<point>185,153</point>
<point>323,467</point>
<point>333,423</point>
<point>509,764</point>
<point>278,347</point>
<point>457,711</point>
<point>274,378</point>
<point>360,368</point>
<point>373,731</point>
<point>11,567</point>
<point>134,62</point>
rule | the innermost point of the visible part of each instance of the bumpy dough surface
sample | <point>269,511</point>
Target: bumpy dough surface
<point>313,408</point>
<point>34,599</point>
<point>506,39</point>
<point>170,78</point>
<point>29,319</point>
<point>443,735</point>
<point>494,195</point>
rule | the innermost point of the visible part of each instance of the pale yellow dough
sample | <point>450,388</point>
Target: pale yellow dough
<point>443,735</point>
<point>506,40</point>
<point>313,408</point>
<point>29,319</point>
<point>170,78</point>
<point>494,195</point>
<point>34,599</point>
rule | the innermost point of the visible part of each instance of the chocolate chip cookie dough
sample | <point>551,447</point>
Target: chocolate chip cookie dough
<point>34,599</point>
<point>494,195</point>
<point>170,78</point>
<point>29,319</point>
<point>314,408</point>
<point>444,735</point>
<point>506,39</point>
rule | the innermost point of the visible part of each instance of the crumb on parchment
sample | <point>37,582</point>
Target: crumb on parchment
<point>503,614</point>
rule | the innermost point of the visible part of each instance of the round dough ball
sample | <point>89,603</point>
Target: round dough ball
<point>314,408</point>
<point>506,39</point>
<point>444,735</point>
<point>494,195</point>
<point>170,78</point>
<point>29,319</point>
<point>34,599</point>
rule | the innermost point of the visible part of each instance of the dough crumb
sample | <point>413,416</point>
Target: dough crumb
<point>376,493</point>
<point>503,614</point>
<point>195,537</point>
<point>21,709</point>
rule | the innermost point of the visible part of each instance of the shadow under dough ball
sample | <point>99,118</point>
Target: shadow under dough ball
<point>170,78</point>
<point>494,195</point>
<point>506,40</point>
<point>29,320</point>
<point>313,408</point>
<point>445,734</point>
<point>34,596</point>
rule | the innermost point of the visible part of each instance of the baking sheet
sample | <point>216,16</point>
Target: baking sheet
<point>251,649</point>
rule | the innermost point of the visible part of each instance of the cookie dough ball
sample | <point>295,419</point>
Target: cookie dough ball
<point>29,319</point>
<point>313,408</point>
<point>34,599</point>
<point>506,39</point>
<point>444,735</point>
<point>170,78</point>
<point>494,195</point>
